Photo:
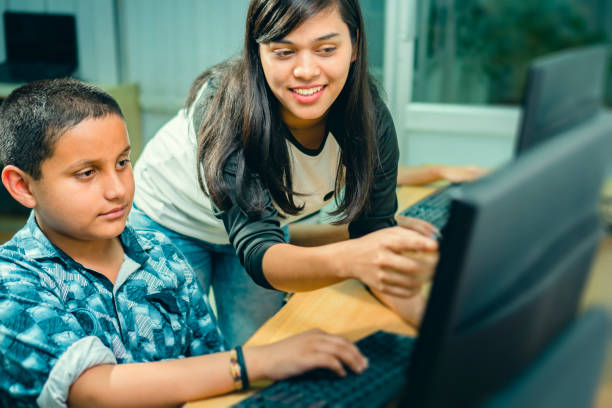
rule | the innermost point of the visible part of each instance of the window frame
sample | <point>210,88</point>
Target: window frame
<point>488,121</point>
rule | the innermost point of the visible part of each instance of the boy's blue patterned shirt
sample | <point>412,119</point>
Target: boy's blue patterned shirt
<point>58,318</point>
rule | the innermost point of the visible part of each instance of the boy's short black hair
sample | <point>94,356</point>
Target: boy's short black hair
<point>35,115</point>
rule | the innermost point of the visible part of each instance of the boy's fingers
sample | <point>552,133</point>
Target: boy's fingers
<point>326,360</point>
<point>344,351</point>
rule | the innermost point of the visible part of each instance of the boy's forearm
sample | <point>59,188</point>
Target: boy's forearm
<point>157,384</point>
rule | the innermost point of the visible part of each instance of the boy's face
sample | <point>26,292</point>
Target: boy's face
<point>86,189</point>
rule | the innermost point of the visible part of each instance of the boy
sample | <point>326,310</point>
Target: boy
<point>90,307</point>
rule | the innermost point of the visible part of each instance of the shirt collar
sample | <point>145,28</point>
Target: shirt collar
<point>44,247</point>
<point>132,245</point>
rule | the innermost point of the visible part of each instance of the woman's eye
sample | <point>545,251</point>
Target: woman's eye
<point>327,50</point>
<point>123,163</point>
<point>282,53</point>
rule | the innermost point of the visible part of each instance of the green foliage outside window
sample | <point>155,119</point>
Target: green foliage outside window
<point>487,44</point>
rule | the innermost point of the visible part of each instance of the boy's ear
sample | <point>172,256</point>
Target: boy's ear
<point>17,182</point>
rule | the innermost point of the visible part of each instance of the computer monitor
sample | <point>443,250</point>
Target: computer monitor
<point>38,46</point>
<point>513,263</point>
<point>36,37</point>
<point>562,90</point>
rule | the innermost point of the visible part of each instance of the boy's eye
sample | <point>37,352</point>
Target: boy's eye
<point>123,163</point>
<point>85,174</point>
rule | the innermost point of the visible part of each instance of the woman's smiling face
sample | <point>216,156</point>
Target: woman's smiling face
<point>307,69</point>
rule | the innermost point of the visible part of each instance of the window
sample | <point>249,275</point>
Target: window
<point>477,51</point>
<point>454,70</point>
<point>374,19</point>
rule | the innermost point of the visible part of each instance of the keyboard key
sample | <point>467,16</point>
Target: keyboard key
<point>434,209</point>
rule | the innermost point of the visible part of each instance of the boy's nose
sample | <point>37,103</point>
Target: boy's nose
<point>114,187</point>
<point>306,67</point>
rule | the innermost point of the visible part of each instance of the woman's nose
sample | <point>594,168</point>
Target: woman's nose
<point>306,67</point>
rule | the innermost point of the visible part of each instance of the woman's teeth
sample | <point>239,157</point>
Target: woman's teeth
<point>307,92</point>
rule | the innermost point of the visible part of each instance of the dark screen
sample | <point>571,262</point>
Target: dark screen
<point>40,38</point>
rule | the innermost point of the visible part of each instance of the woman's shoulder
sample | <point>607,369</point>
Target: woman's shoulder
<point>205,88</point>
<point>208,82</point>
<point>202,100</point>
<point>385,127</point>
<point>380,107</point>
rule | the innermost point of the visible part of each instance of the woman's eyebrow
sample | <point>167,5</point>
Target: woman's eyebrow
<point>322,38</point>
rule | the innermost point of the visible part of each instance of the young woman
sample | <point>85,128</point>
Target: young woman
<point>269,138</point>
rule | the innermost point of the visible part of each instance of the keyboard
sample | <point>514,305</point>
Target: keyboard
<point>389,358</point>
<point>434,208</point>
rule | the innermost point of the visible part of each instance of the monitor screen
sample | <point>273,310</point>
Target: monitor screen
<point>562,90</point>
<point>513,262</point>
<point>32,37</point>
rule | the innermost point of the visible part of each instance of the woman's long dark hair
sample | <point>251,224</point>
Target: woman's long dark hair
<point>243,118</point>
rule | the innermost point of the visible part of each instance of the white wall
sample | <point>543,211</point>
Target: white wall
<point>431,147</point>
<point>166,44</point>
<point>457,134</point>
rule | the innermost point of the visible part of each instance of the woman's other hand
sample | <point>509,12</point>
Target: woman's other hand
<point>425,174</point>
<point>410,309</point>
<point>460,174</point>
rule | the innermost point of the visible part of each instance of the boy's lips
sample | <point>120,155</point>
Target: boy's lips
<point>115,213</point>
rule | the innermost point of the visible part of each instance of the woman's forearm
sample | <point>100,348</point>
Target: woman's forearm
<point>293,268</point>
<point>377,259</point>
<point>317,234</point>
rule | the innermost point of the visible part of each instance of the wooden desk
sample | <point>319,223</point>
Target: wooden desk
<point>345,308</point>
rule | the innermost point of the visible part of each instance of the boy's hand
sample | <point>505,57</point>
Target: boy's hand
<point>304,352</point>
